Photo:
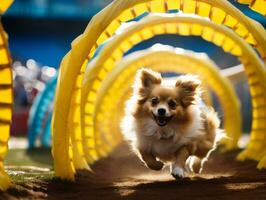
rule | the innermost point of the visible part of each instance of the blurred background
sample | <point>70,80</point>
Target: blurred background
<point>40,34</point>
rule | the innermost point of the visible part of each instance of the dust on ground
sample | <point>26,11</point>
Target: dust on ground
<point>122,176</point>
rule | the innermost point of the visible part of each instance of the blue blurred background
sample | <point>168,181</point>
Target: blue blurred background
<point>40,34</point>
<point>44,29</point>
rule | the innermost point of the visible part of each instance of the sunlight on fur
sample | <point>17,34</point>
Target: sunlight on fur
<point>166,122</point>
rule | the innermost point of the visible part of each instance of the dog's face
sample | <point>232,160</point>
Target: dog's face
<point>164,104</point>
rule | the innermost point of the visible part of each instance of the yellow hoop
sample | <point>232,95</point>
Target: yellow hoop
<point>256,5</point>
<point>6,101</point>
<point>116,87</point>
<point>103,63</point>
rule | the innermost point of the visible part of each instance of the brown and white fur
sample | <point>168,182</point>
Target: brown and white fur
<point>166,123</point>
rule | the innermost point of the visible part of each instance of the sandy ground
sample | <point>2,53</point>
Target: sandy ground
<point>123,176</point>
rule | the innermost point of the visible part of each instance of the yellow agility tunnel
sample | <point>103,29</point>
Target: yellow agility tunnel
<point>67,130</point>
<point>86,125</point>
<point>105,59</point>
<point>116,89</point>
<point>73,121</point>
<point>6,94</point>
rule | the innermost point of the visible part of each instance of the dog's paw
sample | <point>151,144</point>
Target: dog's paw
<point>178,172</point>
<point>155,165</point>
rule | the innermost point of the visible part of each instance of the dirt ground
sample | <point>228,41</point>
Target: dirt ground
<point>123,176</point>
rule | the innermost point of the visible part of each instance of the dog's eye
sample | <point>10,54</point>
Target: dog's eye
<point>154,101</point>
<point>172,104</point>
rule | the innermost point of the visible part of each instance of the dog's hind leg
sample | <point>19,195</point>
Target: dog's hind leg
<point>179,164</point>
<point>194,164</point>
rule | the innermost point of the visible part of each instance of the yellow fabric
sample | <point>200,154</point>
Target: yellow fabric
<point>104,25</point>
<point>6,101</point>
<point>4,5</point>
<point>4,180</point>
<point>256,5</point>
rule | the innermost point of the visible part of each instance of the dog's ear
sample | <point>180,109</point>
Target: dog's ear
<point>145,81</point>
<point>189,88</point>
<point>149,77</point>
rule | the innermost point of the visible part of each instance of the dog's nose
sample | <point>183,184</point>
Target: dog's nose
<point>161,111</point>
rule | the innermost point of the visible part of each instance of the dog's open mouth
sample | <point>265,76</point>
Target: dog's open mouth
<point>162,120</point>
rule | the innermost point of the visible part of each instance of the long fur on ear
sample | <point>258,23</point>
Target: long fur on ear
<point>144,82</point>
<point>188,88</point>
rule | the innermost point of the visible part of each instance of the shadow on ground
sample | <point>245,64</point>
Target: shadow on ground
<point>122,176</point>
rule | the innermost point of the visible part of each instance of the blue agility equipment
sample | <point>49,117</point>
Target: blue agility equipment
<point>39,122</point>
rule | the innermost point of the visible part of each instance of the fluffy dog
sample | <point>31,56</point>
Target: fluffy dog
<point>167,122</point>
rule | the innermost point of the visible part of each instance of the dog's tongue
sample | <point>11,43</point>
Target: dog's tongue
<point>161,121</point>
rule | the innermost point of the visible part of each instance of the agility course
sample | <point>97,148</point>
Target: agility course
<point>95,77</point>
<point>74,127</point>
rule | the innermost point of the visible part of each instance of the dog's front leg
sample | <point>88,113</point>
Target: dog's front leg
<point>178,166</point>
<point>151,161</point>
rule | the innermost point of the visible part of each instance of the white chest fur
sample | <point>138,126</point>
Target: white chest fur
<point>163,142</point>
